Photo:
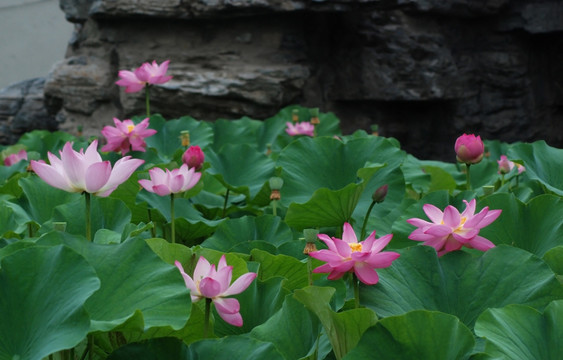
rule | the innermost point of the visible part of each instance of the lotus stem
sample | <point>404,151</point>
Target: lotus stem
<point>275,207</point>
<point>363,233</point>
<point>501,180</point>
<point>207,315</point>
<point>468,177</point>
<point>173,227</point>
<point>147,101</point>
<point>88,217</point>
<point>225,203</point>
<point>356,286</point>
<point>310,270</point>
<point>153,228</point>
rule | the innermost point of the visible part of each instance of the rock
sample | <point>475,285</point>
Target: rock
<point>22,109</point>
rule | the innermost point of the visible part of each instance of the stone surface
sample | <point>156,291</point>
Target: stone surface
<point>22,109</point>
<point>425,71</point>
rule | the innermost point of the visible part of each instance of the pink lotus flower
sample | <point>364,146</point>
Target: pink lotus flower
<point>85,171</point>
<point>126,135</point>
<point>450,230</point>
<point>144,75</point>
<point>194,157</point>
<point>504,165</point>
<point>300,128</point>
<point>214,284</point>
<point>170,182</point>
<point>15,158</point>
<point>469,149</point>
<point>347,255</point>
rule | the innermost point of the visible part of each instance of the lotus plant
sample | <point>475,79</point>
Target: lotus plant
<point>15,158</point>
<point>127,136</point>
<point>347,255</point>
<point>85,172</point>
<point>170,183</point>
<point>300,128</point>
<point>214,285</point>
<point>142,77</point>
<point>450,231</point>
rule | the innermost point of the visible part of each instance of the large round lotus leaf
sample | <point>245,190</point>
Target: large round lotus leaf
<point>241,168</point>
<point>105,213</point>
<point>241,131</point>
<point>461,284</point>
<point>7,171</point>
<point>139,291</point>
<point>536,226</point>
<point>167,141</point>
<point>519,332</point>
<point>288,267</point>
<point>344,329</point>
<point>419,334</point>
<point>233,347</point>
<point>166,348</point>
<point>292,330</point>
<point>13,217</point>
<point>41,198</point>
<point>313,163</point>
<point>542,162</point>
<point>43,290</point>
<point>233,232</point>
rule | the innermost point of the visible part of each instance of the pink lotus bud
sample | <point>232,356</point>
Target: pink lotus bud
<point>194,157</point>
<point>380,194</point>
<point>469,149</point>
<point>504,165</point>
<point>15,158</point>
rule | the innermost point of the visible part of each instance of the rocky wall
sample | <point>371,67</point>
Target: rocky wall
<point>424,71</point>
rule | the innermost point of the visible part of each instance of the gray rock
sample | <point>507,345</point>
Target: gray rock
<point>22,109</point>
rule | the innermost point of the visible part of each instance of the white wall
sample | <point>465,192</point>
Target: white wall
<point>33,36</point>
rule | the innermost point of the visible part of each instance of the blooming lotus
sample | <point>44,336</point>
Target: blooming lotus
<point>450,230</point>
<point>127,136</point>
<point>85,171</point>
<point>215,284</point>
<point>301,128</point>
<point>15,158</point>
<point>469,149</point>
<point>170,182</point>
<point>194,157</point>
<point>348,255</point>
<point>146,74</point>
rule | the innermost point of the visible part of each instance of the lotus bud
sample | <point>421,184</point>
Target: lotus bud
<point>194,157</point>
<point>380,194</point>
<point>504,165</point>
<point>469,149</point>
<point>375,130</point>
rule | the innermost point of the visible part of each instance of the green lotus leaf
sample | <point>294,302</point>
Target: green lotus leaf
<point>233,347</point>
<point>235,232</point>
<point>281,265</point>
<point>554,258</point>
<point>106,213</point>
<point>240,168</point>
<point>536,226</point>
<point>419,334</point>
<point>344,329</point>
<point>293,331</point>
<point>13,218</point>
<point>42,301</point>
<point>461,284</point>
<point>167,141</point>
<point>258,303</point>
<point>139,291</point>
<point>41,198</point>
<point>542,162</point>
<point>240,131</point>
<point>166,348</point>
<point>7,171</point>
<point>43,141</point>
<point>520,332</point>
<point>313,163</point>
